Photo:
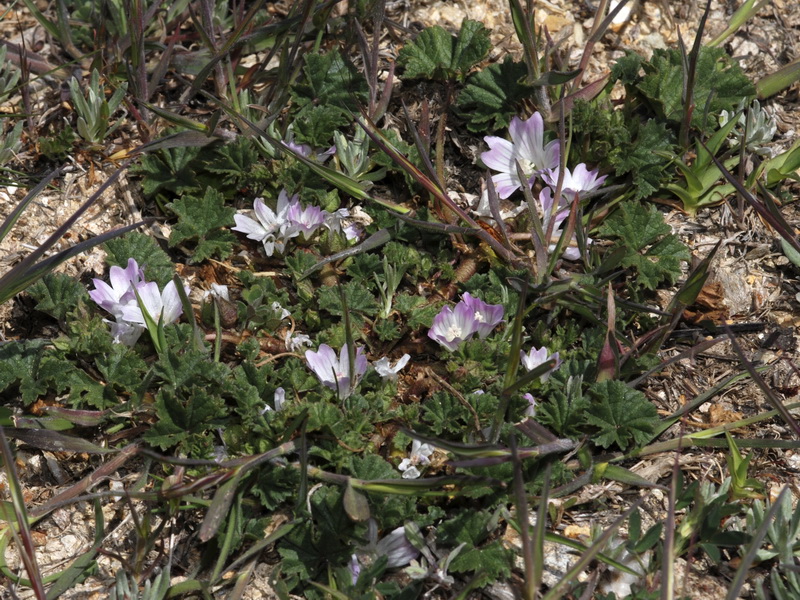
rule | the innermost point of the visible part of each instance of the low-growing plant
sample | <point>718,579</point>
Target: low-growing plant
<point>94,110</point>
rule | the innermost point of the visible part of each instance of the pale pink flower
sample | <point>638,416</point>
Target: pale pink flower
<point>304,221</point>
<point>306,151</point>
<point>539,356</point>
<point>531,410</point>
<point>578,181</point>
<point>471,315</point>
<point>164,305</point>
<point>452,326</point>
<point>333,372</point>
<point>487,316</point>
<point>112,297</point>
<point>571,250</point>
<point>526,146</point>
<point>120,300</point>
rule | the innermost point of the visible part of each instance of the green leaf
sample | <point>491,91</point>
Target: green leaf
<point>169,170</point>
<point>442,413</point>
<point>183,416</point>
<point>638,226</point>
<point>472,46</point>
<point>122,368</point>
<point>330,80</point>
<point>148,254</point>
<point>315,125</point>
<point>493,96</point>
<point>201,220</point>
<point>627,69</point>
<point>560,414</point>
<point>358,299</point>
<point>641,158</point>
<point>35,368</point>
<point>621,414</point>
<point>491,563</point>
<point>470,527</point>
<point>436,54</point>
<point>57,294</point>
<point>720,85</point>
<point>422,316</point>
<point>236,161</point>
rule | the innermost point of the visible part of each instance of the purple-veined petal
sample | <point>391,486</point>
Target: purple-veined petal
<point>485,316</point>
<point>253,230</point>
<point>500,156</point>
<point>506,184</point>
<point>171,305</point>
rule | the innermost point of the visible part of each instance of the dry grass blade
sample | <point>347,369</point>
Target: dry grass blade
<point>21,530</point>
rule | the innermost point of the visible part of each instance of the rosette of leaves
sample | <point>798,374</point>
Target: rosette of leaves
<point>650,246</point>
<point>491,97</point>
<point>327,97</point>
<point>94,111</point>
<point>436,54</point>
<point>720,84</point>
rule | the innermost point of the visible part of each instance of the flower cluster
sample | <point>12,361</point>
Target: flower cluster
<point>420,455</point>
<point>126,296</point>
<point>290,219</point>
<point>537,160</point>
<point>334,373</point>
<point>452,326</point>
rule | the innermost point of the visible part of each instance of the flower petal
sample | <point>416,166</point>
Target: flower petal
<point>500,156</point>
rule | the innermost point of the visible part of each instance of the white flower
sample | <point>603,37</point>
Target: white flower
<point>279,399</point>
<point>296,342</point>
<point>162,305</point>
<point>272,228</point>
<point>119,299</point>
<point>420,454</point>
<point>280,312</point>
<point>386,370</point>
<point>577,181</point>
<point>217,291</point>
<point>571,250</point>
<point>120,293</point>
<point>482,209</point>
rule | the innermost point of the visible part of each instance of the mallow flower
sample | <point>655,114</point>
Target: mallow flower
<point>453,326</point>
<point>112,297</point>
<point>578,181</point>
<point>388,371</point>
<point>487,316</point>
<point>333,372</point>
<point>471,315</point>
<point>395,546</point>
<point>571,251</point>
<point>531,410</point>
<point>526,146</point>
<point>161,305</point>
<point>420,455</point>
<point>539,356</point>
<point>304,221</point>
<point>271,228</point>
<point>120,300</point>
